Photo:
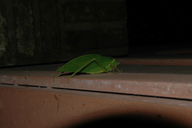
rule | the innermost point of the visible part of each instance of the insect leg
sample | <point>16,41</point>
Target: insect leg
<point>100,66</point>
<point>81,68</point>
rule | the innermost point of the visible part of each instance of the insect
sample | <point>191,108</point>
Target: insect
<point>90,63</point>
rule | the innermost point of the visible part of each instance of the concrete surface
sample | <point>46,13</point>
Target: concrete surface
<point>34,96</point>
<point>22,107</point>
<point>161,81</point>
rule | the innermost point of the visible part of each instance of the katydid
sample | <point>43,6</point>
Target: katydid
<point>90,63</point>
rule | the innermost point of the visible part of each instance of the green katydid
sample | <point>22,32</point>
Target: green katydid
<point>90,63</point>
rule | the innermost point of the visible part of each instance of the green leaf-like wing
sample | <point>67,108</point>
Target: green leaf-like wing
<point>99,65</point>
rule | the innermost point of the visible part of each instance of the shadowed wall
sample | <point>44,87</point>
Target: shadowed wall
<point>47,31</point>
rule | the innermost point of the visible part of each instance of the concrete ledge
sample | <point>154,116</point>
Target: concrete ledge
<point>149,84</point>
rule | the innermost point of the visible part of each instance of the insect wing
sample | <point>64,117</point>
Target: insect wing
<point>74,64</point>
<point>99,65</point>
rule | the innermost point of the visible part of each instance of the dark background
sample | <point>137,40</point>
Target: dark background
<point>160,32</point>
<point>51,31</point>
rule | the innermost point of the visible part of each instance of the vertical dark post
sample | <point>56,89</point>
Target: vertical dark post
<point>11,25</point>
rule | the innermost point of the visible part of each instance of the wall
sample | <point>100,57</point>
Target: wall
<point>47,31</point>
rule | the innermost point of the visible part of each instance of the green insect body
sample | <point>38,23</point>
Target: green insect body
<point>90,63</point>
